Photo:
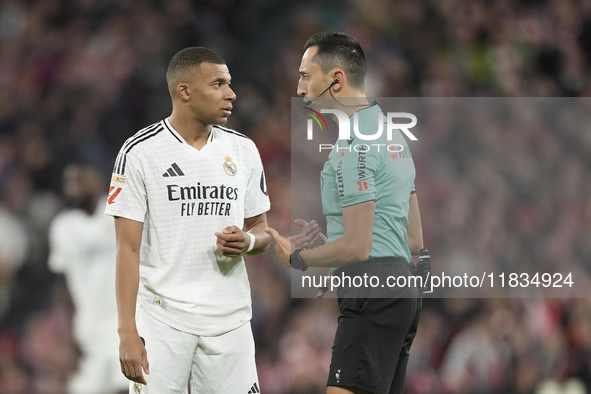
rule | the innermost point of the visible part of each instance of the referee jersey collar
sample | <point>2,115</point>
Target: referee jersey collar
<point>363,113</point>
<point>366,119</point>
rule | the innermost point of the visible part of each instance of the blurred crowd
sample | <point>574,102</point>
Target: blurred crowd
<point>78,77</point>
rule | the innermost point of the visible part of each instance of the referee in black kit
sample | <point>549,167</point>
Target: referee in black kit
<point>374,226</point>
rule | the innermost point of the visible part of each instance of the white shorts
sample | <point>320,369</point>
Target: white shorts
<point>222,364</point>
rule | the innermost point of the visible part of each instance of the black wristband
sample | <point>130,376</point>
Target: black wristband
<point>297,262</point>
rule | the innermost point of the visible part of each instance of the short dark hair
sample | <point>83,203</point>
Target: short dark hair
<point>336,49</point>
<point>191,57</point>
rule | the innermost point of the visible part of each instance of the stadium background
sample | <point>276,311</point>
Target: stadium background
<point>78,77</point>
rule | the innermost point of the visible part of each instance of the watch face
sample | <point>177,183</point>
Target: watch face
<point>297,261</point>
<point>302,263</point>
<point>293,260</point>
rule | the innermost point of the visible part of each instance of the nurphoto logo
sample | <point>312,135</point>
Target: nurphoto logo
<point>345,128</point>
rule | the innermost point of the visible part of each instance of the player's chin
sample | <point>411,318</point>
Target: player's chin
<point>222,120</point>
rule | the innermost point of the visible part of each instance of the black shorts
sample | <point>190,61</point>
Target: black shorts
<point>374,336</point>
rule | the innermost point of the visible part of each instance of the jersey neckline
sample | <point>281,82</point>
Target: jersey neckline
<point>176,134</point>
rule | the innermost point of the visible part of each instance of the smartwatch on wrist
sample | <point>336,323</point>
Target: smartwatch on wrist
<point>296,261</point>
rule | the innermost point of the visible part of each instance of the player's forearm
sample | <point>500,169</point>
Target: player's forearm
<point>126,285</point>
<point>262,239</point>
<point>256,226</point>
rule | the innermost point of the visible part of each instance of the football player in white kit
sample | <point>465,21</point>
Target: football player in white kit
<point>189,199</point>
<point>82,247</point>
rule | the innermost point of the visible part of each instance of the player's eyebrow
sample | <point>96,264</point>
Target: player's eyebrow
<point>222,80</point>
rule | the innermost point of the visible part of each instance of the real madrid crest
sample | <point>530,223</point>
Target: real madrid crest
<point>229,166</point>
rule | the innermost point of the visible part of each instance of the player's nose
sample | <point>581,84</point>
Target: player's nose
<point>230,95</point>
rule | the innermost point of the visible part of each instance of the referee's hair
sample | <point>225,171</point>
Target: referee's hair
<point>336,49</point>
<point>188,58</point>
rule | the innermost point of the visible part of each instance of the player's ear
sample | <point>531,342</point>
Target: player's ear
<point>182,90</point>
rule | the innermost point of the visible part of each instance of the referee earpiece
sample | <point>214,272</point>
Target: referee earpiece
<point>328,88</point>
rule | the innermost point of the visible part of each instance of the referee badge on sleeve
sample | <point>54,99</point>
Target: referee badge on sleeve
<point>229,166</point>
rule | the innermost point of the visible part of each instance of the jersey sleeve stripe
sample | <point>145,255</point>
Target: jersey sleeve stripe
<point>140,134</point>
<point>120,169</point>
<point>133,138</point>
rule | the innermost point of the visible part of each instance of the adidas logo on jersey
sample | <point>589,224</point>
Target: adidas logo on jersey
<point>254,389</point>
<point>174,170</point>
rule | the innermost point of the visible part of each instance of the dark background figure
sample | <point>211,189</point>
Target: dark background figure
<point>81,251</point>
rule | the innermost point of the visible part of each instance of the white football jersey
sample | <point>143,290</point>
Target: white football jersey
<point>183,196</point>
<point>82,247</point>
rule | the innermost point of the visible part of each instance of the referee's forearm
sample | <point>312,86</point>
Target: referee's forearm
<point>337,253</point>
<point>414,229</point>
<point>355,244</point>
